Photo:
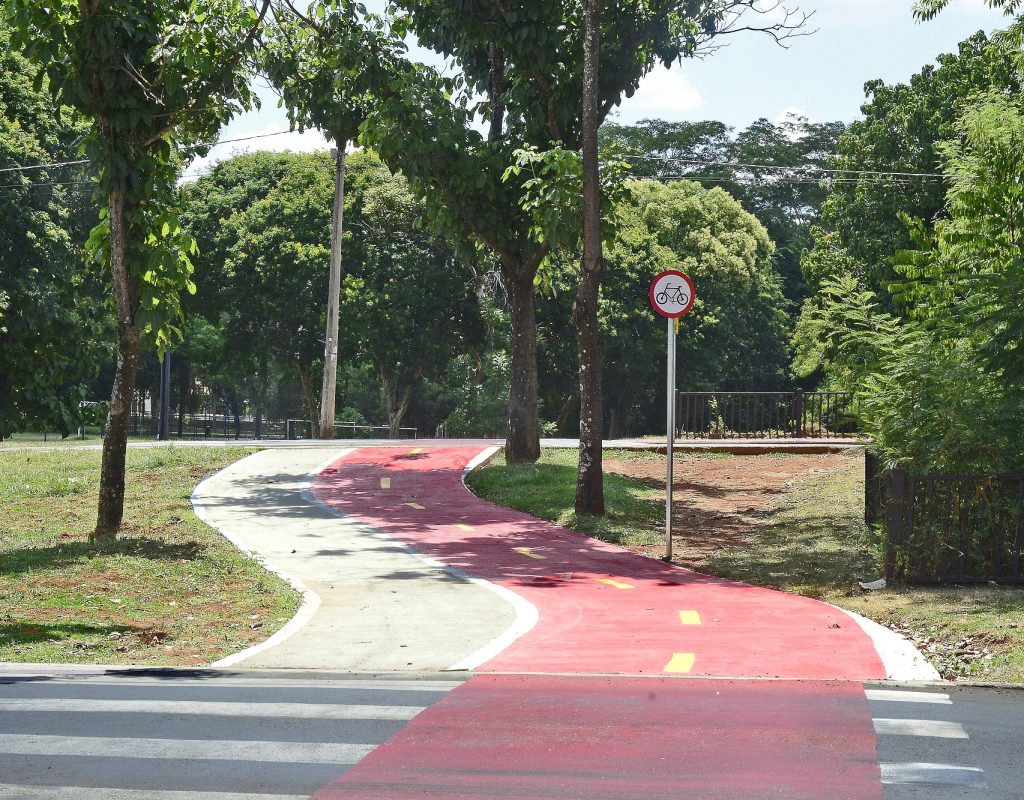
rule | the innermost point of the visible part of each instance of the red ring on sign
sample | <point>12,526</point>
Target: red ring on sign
<point>675,274</point>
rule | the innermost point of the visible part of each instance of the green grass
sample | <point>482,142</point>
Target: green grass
<point>170,590</point>
<point>815,543</point>
<point>547,490</point>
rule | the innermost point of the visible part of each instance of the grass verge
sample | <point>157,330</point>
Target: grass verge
<point>169,591</point>
<point>813,543</point>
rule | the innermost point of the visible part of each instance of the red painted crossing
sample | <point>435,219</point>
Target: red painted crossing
<point>501,737</point>
<point>602,609</point>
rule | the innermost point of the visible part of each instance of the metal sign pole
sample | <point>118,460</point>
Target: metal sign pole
<point>671,438</point>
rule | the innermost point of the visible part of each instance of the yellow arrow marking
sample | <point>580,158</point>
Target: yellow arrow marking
<point>526,551</point>
<point>615,583</point>
<point>681,662</point>
<point>689,617</point>
<point>462,527</point>
<point>385,483</point>
<point>417,506</point>
<point>414,451</point>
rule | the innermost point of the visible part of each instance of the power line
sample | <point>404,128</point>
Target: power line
<point>86,161</point>
<point>45,166</point>
<point>788,168</point>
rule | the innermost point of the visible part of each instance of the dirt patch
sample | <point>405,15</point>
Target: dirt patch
<point>722,501</point>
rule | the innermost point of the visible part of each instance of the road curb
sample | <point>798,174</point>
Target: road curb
<point>901,659</point>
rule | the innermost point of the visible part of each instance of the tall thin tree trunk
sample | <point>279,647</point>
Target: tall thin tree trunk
<point>327,392</point>
<point>396,398</point>
<point>307,396</point>
<point>522,443</point>
<point>590,478</point>
<point>110,509</point>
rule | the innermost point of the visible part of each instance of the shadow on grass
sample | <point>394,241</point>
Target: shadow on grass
<point>34,632</point>
<point>813,553</point>
<point>28,559</point>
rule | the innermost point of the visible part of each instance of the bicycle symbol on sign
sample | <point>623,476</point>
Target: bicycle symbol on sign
<point>674,294</point>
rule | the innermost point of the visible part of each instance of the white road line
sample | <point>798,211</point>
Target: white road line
<point>933,775</point>
<point>184,749</point>
<point>894,696</point>
<point>10,791</point>
<point>214,709</point>
<point>919,727</point>
<point>190,682</point>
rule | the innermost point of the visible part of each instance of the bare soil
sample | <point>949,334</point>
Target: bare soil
<point>723,501</point>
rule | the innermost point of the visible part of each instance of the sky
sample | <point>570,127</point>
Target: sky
<point>820,76</point>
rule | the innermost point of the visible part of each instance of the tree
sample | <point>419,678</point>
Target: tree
<point>928,9</point>
<point>409,303</point>
<point>939,386</point>
<point>325,87</point>
<point>526,66</point>
<point>52,319</point>
<point>734,340</point>
<point>590,476</point>
<point>153,79</point>
<point>773,168</point>
<point>902,127</point>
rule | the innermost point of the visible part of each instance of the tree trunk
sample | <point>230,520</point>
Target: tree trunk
<point>590,478</point>
<point>522,443</point>
<point>110,509</point>
<point>307,396</point>
<point>396,398</point>
<point>562,423</point>
<point>330,383</point>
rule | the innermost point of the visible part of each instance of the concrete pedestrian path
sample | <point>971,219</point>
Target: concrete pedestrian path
<point>370,605</point>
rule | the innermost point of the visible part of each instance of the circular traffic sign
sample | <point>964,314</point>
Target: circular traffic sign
<point>672,294</point>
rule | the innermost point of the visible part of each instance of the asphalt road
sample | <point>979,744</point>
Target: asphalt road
<point>220,735</point>
<point>949,742</point>
<point>195,735</point>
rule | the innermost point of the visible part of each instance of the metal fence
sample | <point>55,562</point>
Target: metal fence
<point>765,415</point>
<point>950,528</point>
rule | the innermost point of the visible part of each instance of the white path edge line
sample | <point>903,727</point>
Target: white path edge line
<point>310,599</point>
<point>526,612</point>
<point>902,661</point>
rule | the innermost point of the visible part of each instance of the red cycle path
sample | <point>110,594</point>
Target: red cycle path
<point>602,609</point>
<point>500,737</point>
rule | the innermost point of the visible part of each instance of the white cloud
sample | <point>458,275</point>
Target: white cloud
<point>663,93</point>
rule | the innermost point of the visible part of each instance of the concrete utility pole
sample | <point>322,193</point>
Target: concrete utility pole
<point>333,299</point>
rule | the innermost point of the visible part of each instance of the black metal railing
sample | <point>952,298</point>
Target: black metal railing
<point>765,415</point>
<point>953,528</point>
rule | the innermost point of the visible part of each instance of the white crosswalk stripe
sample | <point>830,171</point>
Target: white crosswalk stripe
<point>196,749</point>
<point>894,696</point>
<point>185,736</point>
<point>214,709</point>
<point>920,727</point>
<point>11,792</point>
<point>933,775</point>
<point>922,754</point>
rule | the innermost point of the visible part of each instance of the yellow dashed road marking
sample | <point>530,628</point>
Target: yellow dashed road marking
<point>689,617</point>
<point>417,506</point>
<point>681,662</point>
<point>462,527</point>
<point>615,583</point>
<point>526,551</point>
<point>385,483</point>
